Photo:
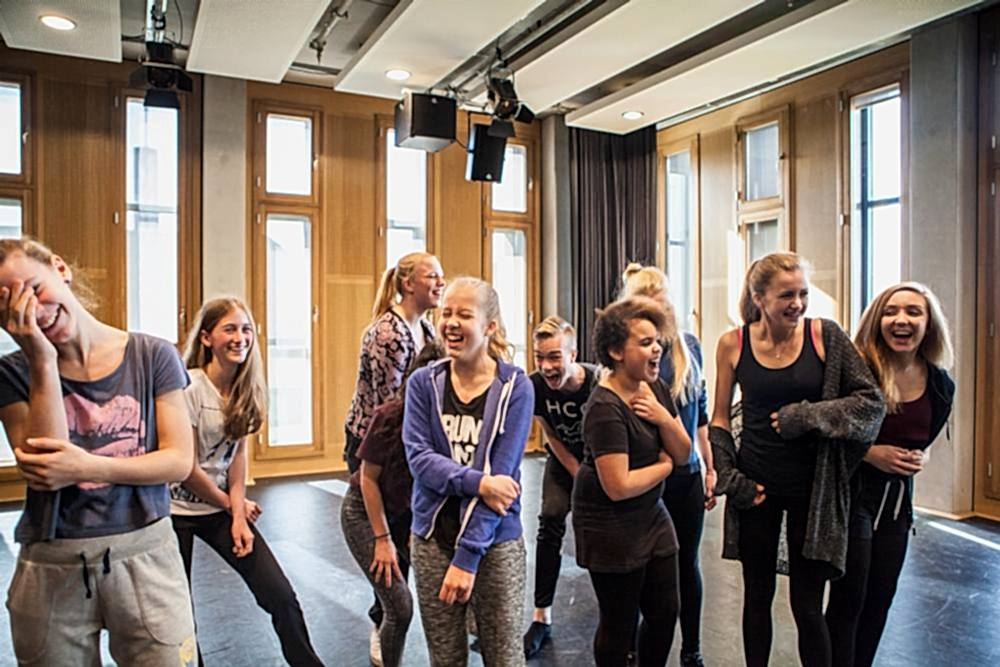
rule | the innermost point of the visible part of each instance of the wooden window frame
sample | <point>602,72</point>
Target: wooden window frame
<point>263,450</point>
<point>530,215</point>
<point>691,145</point>
<point>529,231</point>
<point>748,219</point>
<point>385,123</point>
<point>258,182</point>
<point>780,206</point>
<point>846,286</point>
<point>24,178</point>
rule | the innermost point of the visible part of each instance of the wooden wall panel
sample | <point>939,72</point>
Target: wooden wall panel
<point>718,230</point>
<point>80,153</point>
<point>457,210</point>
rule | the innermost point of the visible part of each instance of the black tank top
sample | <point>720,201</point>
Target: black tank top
<point>784,467</point>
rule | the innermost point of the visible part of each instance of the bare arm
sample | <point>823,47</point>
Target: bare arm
<point>620,483</point>
<point>238,481</point>
<point>374,507</point>
<point>62,463</point>
<point>558,449</point>
<point>726,355</point>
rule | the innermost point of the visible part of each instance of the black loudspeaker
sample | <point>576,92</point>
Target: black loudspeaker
<point>425,122</point>
<point>485,161</point>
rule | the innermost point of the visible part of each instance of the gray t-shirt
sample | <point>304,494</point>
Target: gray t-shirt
<point>112,416</point>
<point>215,450</point>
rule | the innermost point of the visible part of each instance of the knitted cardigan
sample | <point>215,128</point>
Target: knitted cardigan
<point>845,422</point>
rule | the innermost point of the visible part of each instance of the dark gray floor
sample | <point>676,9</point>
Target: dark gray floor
<point>947,611</point>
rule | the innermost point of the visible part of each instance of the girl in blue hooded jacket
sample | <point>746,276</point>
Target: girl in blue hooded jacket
<point>465,425</point>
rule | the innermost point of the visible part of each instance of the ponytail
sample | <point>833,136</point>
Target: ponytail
<point>488,302</point>
<point>390,288</point>
<point>759,276</point>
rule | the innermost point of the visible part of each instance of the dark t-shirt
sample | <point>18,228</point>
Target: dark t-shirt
<point>112,416</point>
<point>383,446</point>
<point>563,411</point>
<point>462,423</point>
<point>624,535</point>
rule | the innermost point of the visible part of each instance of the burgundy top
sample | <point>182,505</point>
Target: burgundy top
<point>910,427</point>
<point>383,446</point>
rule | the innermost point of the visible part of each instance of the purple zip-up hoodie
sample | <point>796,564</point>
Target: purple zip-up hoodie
<point>510,402</point>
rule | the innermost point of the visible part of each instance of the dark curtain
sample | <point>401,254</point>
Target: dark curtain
<point>613,192</point>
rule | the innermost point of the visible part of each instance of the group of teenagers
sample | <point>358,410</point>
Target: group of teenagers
<point>130,451</point>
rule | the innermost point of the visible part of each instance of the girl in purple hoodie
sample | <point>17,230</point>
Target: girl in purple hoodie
<point>465,425</point>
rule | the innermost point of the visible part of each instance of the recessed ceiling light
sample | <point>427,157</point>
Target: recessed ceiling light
<point>57,22</point>
<point>397,74</point>
<point>632,115</point>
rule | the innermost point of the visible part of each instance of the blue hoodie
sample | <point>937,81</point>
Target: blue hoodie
<point>510,402</point>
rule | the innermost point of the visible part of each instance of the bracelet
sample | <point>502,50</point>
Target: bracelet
<point>379,537</point>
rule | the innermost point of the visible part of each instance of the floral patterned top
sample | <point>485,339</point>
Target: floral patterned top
<point>387,350</point>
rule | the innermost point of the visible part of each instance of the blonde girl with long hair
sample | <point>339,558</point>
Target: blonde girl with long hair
<point>465,425</point>
<point>97,420</point>
<point>685,492</point>
<point>396,333</point>
<point>903,335</point>
<point>810,409</point>
<point>394,336</point>
<point>227,402</point>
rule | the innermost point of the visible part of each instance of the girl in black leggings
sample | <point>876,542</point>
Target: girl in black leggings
<point>794,440</point>
<point>903,336</point>
<point>624,536</point>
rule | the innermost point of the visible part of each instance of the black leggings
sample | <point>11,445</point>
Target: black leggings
<point>684,496</point>
<point>760,531</point>
<point>620,597</point>
<point>860,600</point>
<point>262,575</point>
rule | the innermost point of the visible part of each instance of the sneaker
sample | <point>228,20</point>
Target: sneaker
<point>692,659</point>
<point>375,647</point>
<point>632,659</point>
<point>536,636</point>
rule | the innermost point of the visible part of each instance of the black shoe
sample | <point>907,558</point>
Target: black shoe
<point>631,659</point>
<point>692,660</point>
<point>474,646</point>
<point>536,636</point>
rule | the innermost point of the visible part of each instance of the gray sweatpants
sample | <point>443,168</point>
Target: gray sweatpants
<point>497,603</point>
<point>64,592</point>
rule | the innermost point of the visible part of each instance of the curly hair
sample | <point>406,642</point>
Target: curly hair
<point>611,329</point>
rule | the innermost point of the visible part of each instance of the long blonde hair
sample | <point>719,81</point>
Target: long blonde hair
<point>38,251</point>
<point>390,289</point>
<point>639,280</point>
<point>246,409</point>
<point>488,301</point>
<point>935,348</point>
<point>759,276</point>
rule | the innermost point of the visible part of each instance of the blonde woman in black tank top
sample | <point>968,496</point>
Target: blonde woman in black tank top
<point>777,358</point>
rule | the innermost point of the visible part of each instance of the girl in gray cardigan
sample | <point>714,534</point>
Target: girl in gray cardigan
<point>810,409</point>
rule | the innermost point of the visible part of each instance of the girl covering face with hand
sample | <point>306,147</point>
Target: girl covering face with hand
<point>97,420</point>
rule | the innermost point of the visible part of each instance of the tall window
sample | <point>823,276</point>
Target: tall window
<point>405,200</point>
<point>681,236</point>
<point>876,165</point>
<point>10,227</point>
<point>10,128</point>
<point>511,193</point>
<point>289,329</point>
<point>151,220</point>
<point>510,279</point>
<point>284,244</point>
